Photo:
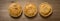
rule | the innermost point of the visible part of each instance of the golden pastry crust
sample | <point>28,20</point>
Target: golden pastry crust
<point>45,9</point>
<point>30,10</point>
<point>15,10</point>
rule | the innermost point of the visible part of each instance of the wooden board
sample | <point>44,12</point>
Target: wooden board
<point>4,15</point>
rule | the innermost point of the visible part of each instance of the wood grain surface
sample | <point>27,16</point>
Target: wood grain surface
<point>4,14</point>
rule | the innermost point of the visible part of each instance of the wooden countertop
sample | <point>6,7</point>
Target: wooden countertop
<point>4,15</point>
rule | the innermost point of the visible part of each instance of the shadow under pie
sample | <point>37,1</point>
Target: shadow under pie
<point>46,16</point>
<point>16,17</point>
<point>32,16</point>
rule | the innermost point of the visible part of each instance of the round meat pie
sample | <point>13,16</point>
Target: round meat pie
<point>45,9</point>
<point>15,10</point>
<point>30,10</point>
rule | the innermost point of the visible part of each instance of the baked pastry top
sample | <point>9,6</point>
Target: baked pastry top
<point>45,9</point>
<point>30,10</point>
<point>15,9</point>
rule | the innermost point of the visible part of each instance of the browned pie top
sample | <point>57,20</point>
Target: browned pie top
<point>30,10</point>
<point>15,9</point>
<point>45,9</point>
